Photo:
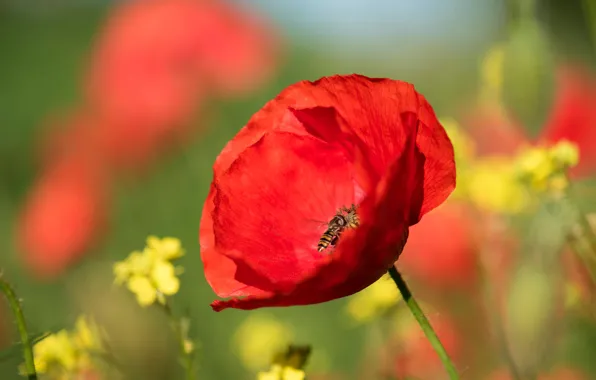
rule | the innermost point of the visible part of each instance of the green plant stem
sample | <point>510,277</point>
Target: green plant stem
<point>187,358</point>
<point>583,241</point>
<point>430,333</point>
<point>17,310</point>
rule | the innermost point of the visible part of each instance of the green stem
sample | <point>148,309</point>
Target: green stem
<point>15,305</point>
<point>187,358</point>
<point>424,323</point>
<point>583,240</point>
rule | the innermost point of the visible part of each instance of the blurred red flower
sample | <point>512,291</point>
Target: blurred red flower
<point>417,358</point>
<point>317,147</point>
<point>154,53</point>
<point>237,50</point>
<point>449,258</point>
<point>572,118</point>
<point>63,214</point>
<point>557,374</point>
<point>154,62</point>
<point>141,86</point>
<point>494,131</point>
<point>573,115</point>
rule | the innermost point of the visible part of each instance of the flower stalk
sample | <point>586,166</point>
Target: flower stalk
<point>17,310</point>
<point>186,352</point>
<point>429,332</point>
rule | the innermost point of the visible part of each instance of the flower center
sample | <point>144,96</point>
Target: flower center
<point>344,218</point>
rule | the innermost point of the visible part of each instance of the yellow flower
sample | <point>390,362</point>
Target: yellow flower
<point>491,73</point>
<point>258,338</point>
<point>464,150</point>
<point>373,301</point>
<point>565,153</point>
<point>463,146</point>
<point>150,274</point>
<point>168,248</point>
<point>189,346</point>
<point>536,165</point>
<point>278,372</point>
<point>493,186</point>
<point>55,351</point>
<point>164,277</point>
<point>66,353</point>
<point>143,289</point>
<point>544,169</point>
<point>86,335</point>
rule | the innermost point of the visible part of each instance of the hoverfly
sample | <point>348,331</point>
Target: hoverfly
<point>345,218</point>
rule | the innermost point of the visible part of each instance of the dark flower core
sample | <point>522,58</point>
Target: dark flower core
<point>344,218</point>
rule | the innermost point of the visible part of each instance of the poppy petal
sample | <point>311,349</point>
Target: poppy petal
<point>573,117</point>
<point>363,255</point>
<point>281,245</point>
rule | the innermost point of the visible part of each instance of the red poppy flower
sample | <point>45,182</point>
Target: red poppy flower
<point>237,50</point>
<point>142,86</point>
<point>448,259</point>
<point>317,147</point>
<point>63,215</point>
<point>494,131</point>
<point>113,145</point>
<point>573,116</point>
<point>154,55</point>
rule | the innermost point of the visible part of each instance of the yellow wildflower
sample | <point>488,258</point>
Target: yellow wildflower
<point>189,346</point>
<point>168,248</point>
<point>463,146</point>
<point>150,274</point>
<point>493,186</point>
<point>258,337</point>
<point>535,163</point>
<point>87,334</point>
<point>565,153</point>
<point>56,351</point>
<point>277,372</point>
<point>65,353</point>
<point>373,301</point>
<point>464,151</point>
<point>544,169</point>
<point>491,73</point>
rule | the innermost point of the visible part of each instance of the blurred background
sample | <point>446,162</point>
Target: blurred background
<point>113,112</point>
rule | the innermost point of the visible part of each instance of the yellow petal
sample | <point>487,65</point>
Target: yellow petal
<point>143,289</point>
<point>493,186</point>
<point>189,346</point>
<point>140,263</point>
<point>86,334</point>
<point>290,373</point>
<point>565,153</point>
<point>491,72</point>
<point>168,248</point>
<point>273,374</point>
<point>258,337</point>
<point>121,272</point>
<point>64,351</point>
<point>373,301</point>
<point>164,277</point>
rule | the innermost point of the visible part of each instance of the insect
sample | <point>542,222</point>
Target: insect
<point>294,356</point>
<point>345,218</point>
